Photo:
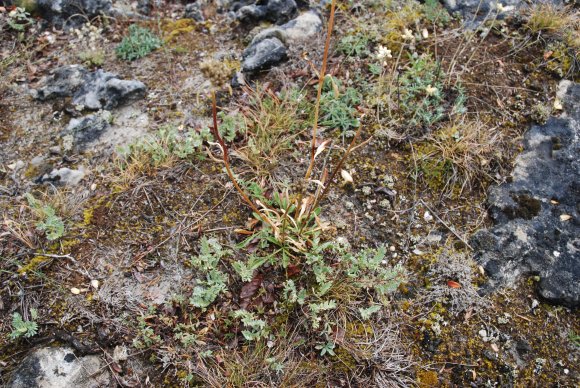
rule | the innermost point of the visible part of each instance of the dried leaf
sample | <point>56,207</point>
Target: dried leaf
<point>250,289</point>
<point>453,284</point>
<point>321,148</point>
<point>243,231</point>
<point>346,176</point>
<point>293,270</point>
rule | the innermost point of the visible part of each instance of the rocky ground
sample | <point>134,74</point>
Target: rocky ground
<point>427,235</point>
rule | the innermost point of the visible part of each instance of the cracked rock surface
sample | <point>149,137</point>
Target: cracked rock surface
<point>536,215</point>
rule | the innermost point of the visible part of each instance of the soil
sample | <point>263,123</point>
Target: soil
<point>136,233</point>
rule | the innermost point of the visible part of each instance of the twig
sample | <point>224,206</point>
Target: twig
<point>451,229</point>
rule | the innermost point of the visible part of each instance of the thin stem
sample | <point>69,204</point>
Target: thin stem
<point>225,153</point>
<point>321,76</point>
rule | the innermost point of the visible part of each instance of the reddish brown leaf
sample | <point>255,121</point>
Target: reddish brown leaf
<point>293,270</point>
<point>250,289</point>
<point>453,284</point>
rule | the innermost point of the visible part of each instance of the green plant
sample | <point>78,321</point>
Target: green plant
<point>51,224</point>
<point>326,348</point>
<point>138,43</point>
<point>146,336</point>
<point>168,144</point>
<point>354,45</point>
<point>17,19</point>
<point>255,328</point>
<point>366,313</point>
<point>434,12</point>
<point>339,110</point>
<point>22,328</point>
<point>574,338</point>
<point>422,96</point>
<point>208,289</point>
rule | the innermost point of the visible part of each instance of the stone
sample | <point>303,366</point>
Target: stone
<point>474,12</point>
<point>193,11</point>
<point>89,89</point>
<point>88,129</point>
<point>301,29</point>
<point>60,367</point>
<point>275,11</point>
<point>263,55</point>
<point>71,13</point>
<point>63,176</point>
<point>529,237</point>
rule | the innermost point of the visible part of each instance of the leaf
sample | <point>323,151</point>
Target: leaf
<point>293,270</point>
<point>250,289</point>
<point>453,284</point>
<point>321,148</point>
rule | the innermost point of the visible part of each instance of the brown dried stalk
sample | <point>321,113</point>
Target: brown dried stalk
<point>321,76</point>
<point>225,153</point>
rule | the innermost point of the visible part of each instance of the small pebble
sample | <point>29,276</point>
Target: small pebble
<point>75,291</point>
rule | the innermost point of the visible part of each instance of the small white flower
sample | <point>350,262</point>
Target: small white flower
<point>408,34</point>
<point>500,8</point>
<point>383,53</point>
<point>430,90</point>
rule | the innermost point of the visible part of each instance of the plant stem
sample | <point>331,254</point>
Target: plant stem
<point>321,76</point>
<point>225,153</point>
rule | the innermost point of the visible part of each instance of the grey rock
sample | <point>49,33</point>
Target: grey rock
<point>193,11</point>
<point>70,13</point>
<point>275,11</point>
<point>144,7</point>
<point>60,368</point>
<point>63,177</point>
<point>529,237</point>
<point>88,129</point>
<point>269,47</point>
<point>476,11</point>
<point>302,28</point>
<point>263,55</point>
<point>91,90</point>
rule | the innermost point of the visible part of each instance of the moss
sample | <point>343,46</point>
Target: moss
<point>427,379</point>
<point>173,29</point>
<point>33,264</point>
<point>88,216</point>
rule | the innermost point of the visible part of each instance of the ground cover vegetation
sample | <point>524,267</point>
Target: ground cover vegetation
<point>311,228</point>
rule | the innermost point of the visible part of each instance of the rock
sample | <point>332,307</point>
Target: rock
<point>59,367</point>
<point>269,47</point>
<point>476,11</point>
<point>530,237</point>
<point>88,129</point>
<point>63,176</point>
<point>263,55</point>
<point>302,28</point>
<point>145,7</point>
<point>275,11</point>
<point>91,90</point>
<point>193,11</point>
<point>69,13</point>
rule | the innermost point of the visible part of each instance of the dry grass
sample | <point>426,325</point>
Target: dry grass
<point>274,121</point>
<point>551,18</point>
<point>460,156</point>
